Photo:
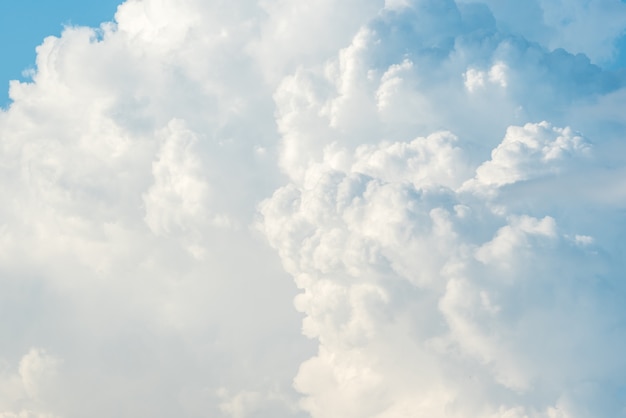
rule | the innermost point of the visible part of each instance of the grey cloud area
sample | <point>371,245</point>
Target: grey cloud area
<point>333,209</point>
<point>564,24</point>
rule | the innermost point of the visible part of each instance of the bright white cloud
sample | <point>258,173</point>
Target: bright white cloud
<point>130,176</point>
<point>428,300</point>
<point>444,185</point>
<point>529,152</point>
<point>428,296</point>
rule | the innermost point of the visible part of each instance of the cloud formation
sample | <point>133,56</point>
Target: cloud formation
<point>443,180</point>
<point>437,283</point>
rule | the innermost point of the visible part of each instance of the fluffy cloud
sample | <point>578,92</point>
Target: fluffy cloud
<point>529,152</point>
<point>439,281</point>
<point>433,301</point>
<point>131,166</point>
<point>443,184</point>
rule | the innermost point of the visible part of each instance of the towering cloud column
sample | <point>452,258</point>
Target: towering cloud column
<point>451,274</point>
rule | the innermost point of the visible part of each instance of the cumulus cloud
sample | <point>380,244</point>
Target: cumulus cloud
<point>130,172</point>
<point>430,301</point>
<point>591,28</point>
<point>442,182</point>
<point>530,151</point>
<point>440,281</point>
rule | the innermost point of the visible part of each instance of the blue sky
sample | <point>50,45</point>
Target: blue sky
<point>25,23</point>
<point>322,209</point>
<point>620,57</point>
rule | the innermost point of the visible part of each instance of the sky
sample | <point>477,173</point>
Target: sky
<point>331,209</point>
<point>24,24</point>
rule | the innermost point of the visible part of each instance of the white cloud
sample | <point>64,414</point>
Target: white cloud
<point>427,296</point>
<point>130,175</point>
<point>476,79</point>
<point>528,152</point>
<point>388,265</point>
<point>443,185</point>
<point>179,197</point>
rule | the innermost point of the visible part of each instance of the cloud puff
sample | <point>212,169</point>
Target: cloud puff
<point>529,152</point>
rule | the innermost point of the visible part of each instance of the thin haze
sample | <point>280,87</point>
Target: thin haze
<point>330,209</point>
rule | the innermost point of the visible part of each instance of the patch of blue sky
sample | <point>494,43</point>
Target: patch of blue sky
<point>25,23</point>
<point>619,60</point>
